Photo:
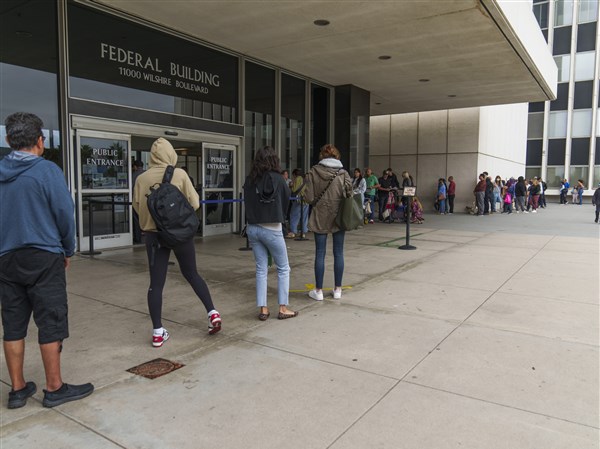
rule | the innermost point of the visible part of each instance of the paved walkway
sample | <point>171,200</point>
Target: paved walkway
<point>486,336</point>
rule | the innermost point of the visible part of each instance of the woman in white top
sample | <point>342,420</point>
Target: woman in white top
<point>359,185</point>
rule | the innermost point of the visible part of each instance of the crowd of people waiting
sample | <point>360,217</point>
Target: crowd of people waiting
<point>521,195</point>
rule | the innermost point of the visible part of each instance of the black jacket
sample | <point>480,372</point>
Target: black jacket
<point>596,197</point>
<point>267,200</point>
<point>520,189</point>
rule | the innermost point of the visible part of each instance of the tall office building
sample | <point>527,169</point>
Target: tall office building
<point>563,135</point>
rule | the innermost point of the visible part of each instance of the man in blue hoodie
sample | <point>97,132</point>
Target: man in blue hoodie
<point>37,239</point>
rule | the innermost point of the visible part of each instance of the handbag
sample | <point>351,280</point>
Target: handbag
<point>350,215</point>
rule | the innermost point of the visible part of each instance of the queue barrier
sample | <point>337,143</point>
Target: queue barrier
<point>113,202</point>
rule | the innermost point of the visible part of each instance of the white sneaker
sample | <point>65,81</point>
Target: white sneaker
<point>158,340</point>
<point>316,295</point>
<point>337,293</point>
<point>518,212</point>
<point>525,212</point>
<point>534,211</point>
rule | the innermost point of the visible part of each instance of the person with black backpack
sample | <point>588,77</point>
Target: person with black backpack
<point>166,201</point>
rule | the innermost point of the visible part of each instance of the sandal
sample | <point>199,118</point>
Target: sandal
<point>285,316</point>
<point>264,316</point>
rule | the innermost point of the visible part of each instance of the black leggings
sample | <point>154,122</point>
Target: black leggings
<point>158,259</point>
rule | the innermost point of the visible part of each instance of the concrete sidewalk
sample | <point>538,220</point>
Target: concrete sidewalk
<point>486,336</point>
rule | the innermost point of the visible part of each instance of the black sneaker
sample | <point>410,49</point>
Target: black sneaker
<point>17,399</point>
<point>66,393</point>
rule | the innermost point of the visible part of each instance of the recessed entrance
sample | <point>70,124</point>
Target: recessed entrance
<point>105,152</point>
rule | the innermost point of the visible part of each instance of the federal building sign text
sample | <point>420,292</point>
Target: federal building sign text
<point>112,50</point>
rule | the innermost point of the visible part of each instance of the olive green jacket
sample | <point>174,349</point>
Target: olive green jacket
<point>325,209</point>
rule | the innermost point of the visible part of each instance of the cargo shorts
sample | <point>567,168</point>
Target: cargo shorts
<point>32,281</point>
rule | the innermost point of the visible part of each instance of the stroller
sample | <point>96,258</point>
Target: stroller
<point>390,207</point>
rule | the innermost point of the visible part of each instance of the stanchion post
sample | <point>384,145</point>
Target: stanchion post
<point>407,245</point>
<point>247,247</point>
<point>91,251</point>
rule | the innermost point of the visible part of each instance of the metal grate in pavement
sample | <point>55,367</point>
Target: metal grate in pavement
<point>155,368</point>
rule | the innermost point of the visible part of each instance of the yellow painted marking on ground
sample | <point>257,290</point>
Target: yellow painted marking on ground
<point>309,287</point>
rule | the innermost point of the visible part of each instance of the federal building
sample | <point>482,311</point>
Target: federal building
<point>437,88</point>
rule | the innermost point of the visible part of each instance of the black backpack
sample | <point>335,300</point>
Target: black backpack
<point>175,218</point>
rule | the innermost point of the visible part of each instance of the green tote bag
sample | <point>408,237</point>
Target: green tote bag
<point>351,214</point>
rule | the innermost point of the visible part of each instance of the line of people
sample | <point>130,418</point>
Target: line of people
<point>520,195</point>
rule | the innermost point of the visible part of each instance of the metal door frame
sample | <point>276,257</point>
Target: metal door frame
<point>105,240</point>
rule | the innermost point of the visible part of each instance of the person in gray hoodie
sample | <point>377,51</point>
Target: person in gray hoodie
<point>326,186</point>
<point>37,240</point>
<point>267,196</point>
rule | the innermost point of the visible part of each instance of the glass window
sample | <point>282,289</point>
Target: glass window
<point>563,63</point>
<point>596,175</point>
<point>554,175</point>
<point>534,152</point>
<point>588,10</point>
<point>563,12</point>
<point>540,11</point>
<point>557,124</point>
<point>597,124</point>
<point>530,172</point>
<point>580,151</point>
<point>538,106</point>
<point>292,122</point>
<point>319,120</point>
<point>576,173</point>
<point>562,98</point>
<point>28,67</point>
<point>582,123</point>
<point>535,126</point>
<point>586,37</point>
<point>584,66</point>
<point>137,66</point>
<point>561,44</point>
<point>583,95</point>
<point>556,151</point>
<point>260,110</point>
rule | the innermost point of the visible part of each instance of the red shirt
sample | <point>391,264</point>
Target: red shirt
<point>451,188</point>
<point>480,187</point>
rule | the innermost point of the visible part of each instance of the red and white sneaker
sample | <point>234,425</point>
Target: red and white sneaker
<point>214,322</point>
<point>158,340</point>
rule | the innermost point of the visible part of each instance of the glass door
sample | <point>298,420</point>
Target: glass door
<point>218,209</point>
<point>104,190</point>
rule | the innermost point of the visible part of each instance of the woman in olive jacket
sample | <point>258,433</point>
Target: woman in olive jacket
<point>326,186</point>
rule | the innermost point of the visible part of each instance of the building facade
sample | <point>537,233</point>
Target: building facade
<point>563,135</point>
<point>106,84</point>
<point>108,77</point>
<point>457,142</point>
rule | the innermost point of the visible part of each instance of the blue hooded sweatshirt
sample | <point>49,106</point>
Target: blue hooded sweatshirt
<point>36,208</point>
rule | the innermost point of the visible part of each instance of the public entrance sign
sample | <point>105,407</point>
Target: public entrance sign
<point>104,191</point>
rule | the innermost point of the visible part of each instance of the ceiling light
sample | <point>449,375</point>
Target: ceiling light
<point>321,22</point>
<point>384,57</point>
<point>424,80</point>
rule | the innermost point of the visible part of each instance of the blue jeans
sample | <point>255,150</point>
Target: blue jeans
<point>295,217</point>
<point>338,257</point>
<point>265,241</point>
<point>442,206</point>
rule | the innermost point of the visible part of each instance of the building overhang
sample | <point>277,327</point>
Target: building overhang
<point>442,54</point>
